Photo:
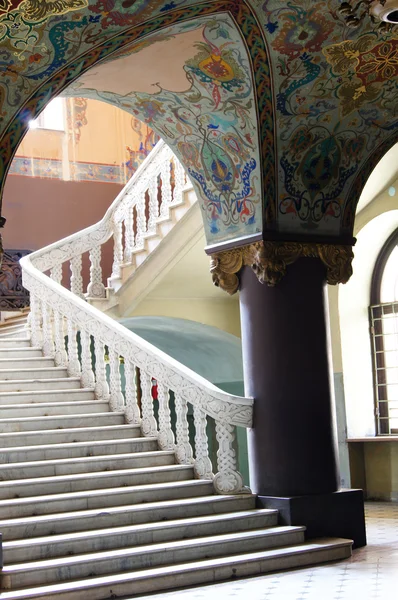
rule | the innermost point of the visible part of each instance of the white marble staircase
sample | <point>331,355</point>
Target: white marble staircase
<point>90,509</point>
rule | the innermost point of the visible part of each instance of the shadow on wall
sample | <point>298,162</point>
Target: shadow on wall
<point>210,352</point>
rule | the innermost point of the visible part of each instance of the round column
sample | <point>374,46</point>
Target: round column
<point>287,369</point>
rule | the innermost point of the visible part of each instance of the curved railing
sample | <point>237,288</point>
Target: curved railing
<point>93,338</point>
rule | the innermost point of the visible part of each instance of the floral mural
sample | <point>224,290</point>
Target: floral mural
<point>286,113</point>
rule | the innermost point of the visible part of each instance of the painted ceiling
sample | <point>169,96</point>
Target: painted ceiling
<point>277,109</point>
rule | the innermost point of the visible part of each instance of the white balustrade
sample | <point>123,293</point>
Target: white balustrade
<point>56,311</point>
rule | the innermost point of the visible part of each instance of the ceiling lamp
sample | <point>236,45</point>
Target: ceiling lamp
<point>384,12</point>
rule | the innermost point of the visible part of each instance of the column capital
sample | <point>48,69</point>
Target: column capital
<point>269,261</point>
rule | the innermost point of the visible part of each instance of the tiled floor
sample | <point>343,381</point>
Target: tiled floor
<point>371,573</point>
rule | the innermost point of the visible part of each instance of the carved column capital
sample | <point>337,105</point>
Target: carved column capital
<point>269,261</point>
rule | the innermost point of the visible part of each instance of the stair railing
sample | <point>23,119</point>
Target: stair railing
<point>84,340</point>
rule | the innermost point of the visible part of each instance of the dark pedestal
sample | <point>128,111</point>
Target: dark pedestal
<point>340,514</point>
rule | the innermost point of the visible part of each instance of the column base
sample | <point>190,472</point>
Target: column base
<point>339,514</point>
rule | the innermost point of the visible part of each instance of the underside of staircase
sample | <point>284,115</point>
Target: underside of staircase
<point>89,509</point>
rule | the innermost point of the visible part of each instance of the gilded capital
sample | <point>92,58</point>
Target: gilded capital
<point>269,261</point>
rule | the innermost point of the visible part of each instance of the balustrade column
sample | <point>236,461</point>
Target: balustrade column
<point>101,389</point>
<point>48,343</point>
<point>73,355</point>
<point>117,250</point>
<point>87,376</point>
<point>128,235</point>
<point>184,449</point>
<point>153,204</point>
<point>60,357</point>
<point>116,400</point>
<point>76,280</point>
<point>141,220</point>
<point>35,321</point>
<point>228,480</point>
<point>56,273</point>
<point>149,426</point>
<point>179,180</point>
<point>96,288</point>
<point>203,466</point>
<point>132,409</point>
<point>166,436</point>
<point>167,196</point>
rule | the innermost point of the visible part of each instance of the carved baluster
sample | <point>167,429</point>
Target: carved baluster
<point>61,358</point>
<point>166,436</point>
<point>184,452</point>
<point>56,273</point>
<point>116,400</point>
<point>128,236</point>
<point>167,198</point>
<point>203,467</point>
<point>73,356</point>
<point>96,288</point>
<point>153,204</point>
<point>76,280</point>
<point>117,250</point>
<point>228,480</point>
<point>179,179</point>
<point>141,220</point>
<point>35,322</point>
<point>87,376</point>
<point>132,409</point>
<point>101,388</point>
<point>48,343</point>
<point>148,424</point>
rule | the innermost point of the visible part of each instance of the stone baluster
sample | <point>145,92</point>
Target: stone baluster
<point>148,423</point>
<point>60,357</point>
<point>116,400</point>
<point>87,376</point>
<point>129,234</point>
<point>153,203</point>
<point>76,280</point>
<point>133,414</point>
<point>167,197</point>
<point>228,480</point>
<point>117,250</point>
<point>48,342</point>
<point>96,288</point>
<point>141,220</point>
<point>73,355</point>
<point>179,181</point>
<point>203,467</point>
<point>56,273</point>
<point>101,388</point>
<point>35,322</point>
<point>184,452</point>
<point>166,436</point>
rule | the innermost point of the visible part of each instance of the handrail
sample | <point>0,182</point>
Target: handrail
<point>56,310</point>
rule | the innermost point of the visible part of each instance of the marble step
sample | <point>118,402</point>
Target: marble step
<point>12,327</point>
<point>46,572</point>
<point>34,362</point>
<point>18,333</point>
<point>123,515</point>
<point>189,573</point>
<point>44,409</point>
<point>71,435</point>
<point>136,535</point>
<point>95,498</point>
<point>31,385</point>
<point>15,342</point>
<point>29,352</point>
<point>61,422</point>
<point>33,373</point>
<point>38,396</point>
<point>86,464</point>
<point>79,482</point>
<point>103,446</point>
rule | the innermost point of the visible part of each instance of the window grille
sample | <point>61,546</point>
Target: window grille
<point>384,335</point>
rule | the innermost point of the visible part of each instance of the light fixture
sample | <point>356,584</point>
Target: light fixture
<point>384,12</point>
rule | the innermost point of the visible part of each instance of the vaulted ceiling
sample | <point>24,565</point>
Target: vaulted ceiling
<point>278,110</point>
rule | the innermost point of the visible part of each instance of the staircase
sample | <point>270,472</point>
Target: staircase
<point>105,493</point>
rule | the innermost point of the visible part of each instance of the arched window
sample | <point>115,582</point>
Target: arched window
<point>384,333</point>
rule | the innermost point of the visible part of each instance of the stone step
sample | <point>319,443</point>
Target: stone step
<point>28,352</point>
<point>15,342</point>
<point>135,535</point>
<point>33,373</point>
<point>12,327</point>
<point>46,572</point>
<point>86,464</point>
<point>189,573</point>
<point>66,484</point>
<point>95,498</point>
<point>61,422</point>
<point>38,396</point>
<point>123,515</point>
<point>31,385</point>
<point>18,333</point>
<point>34,362</point>
<point>129,440</point>
<point>44,409</point>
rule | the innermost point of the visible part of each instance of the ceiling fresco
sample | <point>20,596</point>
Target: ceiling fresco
<point>279,110</point>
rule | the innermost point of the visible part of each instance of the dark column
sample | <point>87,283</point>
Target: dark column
<point>287,369</point>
